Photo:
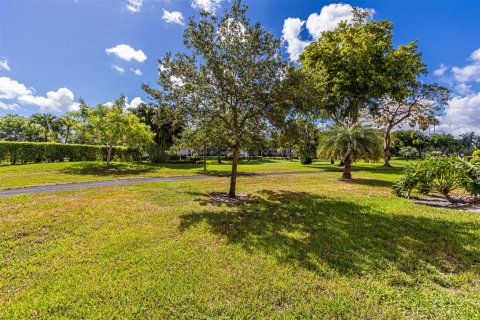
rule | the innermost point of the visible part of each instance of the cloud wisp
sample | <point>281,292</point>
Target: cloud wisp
<point>127,53</point>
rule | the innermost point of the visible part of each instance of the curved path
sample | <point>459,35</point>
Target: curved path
<point>118,182</point>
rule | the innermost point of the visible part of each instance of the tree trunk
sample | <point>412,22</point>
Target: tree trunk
<point>233,177</point>
<point>204,158</point>
<point>67,135</point>
<point>109,154</point>
<point>387,140</point>
<point>347,170</point>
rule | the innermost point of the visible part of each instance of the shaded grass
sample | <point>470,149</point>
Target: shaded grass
<point>308,246</point>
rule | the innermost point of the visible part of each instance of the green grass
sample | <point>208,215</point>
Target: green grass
<point>67,172</point>
<point>309,246</point>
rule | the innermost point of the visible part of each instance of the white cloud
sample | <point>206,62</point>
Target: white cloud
<point>137,72</point>
<point>470,72</point>
<point>134,103</point>
<point>463,89</point>
<point>11,89</point>
<point>462,115</point>
<point>173,17</point>
<point>118,69</point>
<point>127,53</point>
<point>128,105</point>
<point>8,106</point>
<point>4,65</point>
<point>207,5</point>
<point>56,101</point>
<point>328,19</point>
<point>441,70</point>
<point>134,5</point>
<point>292,27</point>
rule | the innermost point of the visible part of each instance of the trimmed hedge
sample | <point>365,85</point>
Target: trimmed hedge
<point>27,152</point>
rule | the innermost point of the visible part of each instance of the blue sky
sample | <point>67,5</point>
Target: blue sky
<point>54,52</point>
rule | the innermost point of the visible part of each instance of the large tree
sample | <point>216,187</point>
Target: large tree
<point>229,75</point>
<point>361,67</point>
<point>165,127</point>
<point>300,101</point>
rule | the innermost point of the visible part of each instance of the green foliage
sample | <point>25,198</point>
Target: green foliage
<point>112,127</point>
<point>357,141</point>
<point>164,126</point>
<point>445,143</point>
<point>471,181</point>
<point>440,174</point>
<point>350,143</point>
<point>361,65</point>
<point>27,152</point>
<point>408,138</point>
<point>476,155</point>
<point>16,128</point>
<point>228,76</point>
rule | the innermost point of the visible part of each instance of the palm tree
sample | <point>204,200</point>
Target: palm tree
<point>350,143</point>
<point>45,120</point>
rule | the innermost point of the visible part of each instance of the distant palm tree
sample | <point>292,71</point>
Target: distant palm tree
<point>46,121</point>
<point>350,143</point>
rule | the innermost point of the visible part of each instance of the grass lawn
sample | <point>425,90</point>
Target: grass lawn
<point>18,176</point>
<point>309,246</point>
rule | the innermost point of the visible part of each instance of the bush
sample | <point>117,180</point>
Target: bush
<point>28,152</point>
<point>476,155</point>
<point>472,178</point>
<point>305,160</point>
<point>440,174</point>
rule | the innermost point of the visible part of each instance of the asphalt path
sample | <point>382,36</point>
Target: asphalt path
<point>120,182</point>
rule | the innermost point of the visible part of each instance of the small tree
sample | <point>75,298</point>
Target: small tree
<point>111,126</point>
<point>229,76</point>
<point>350,143</point>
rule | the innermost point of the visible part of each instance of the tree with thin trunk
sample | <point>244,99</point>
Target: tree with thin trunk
<point>418,107</point>
<point>229,75</point>
<point>350,143</point>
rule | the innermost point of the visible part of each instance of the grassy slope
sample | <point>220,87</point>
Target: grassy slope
<point>308,246</point>
<point>67,172</point>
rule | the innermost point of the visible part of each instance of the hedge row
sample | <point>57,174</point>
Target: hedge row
<point>27,152</point>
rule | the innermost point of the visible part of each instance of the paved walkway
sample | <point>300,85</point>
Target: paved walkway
<point>118,182</point>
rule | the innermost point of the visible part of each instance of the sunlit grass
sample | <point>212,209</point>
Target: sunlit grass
<point>309,246</point>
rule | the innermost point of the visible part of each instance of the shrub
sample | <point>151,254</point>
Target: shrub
<point>28,152</point>
<point>476,155</point>
<point>440,174</point>
<point>472,178</point>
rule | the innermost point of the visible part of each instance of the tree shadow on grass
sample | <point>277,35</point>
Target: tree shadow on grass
<point>102,169</point>
<point>314,232</point>
<point>379,169</point>
<point>371,182</point>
